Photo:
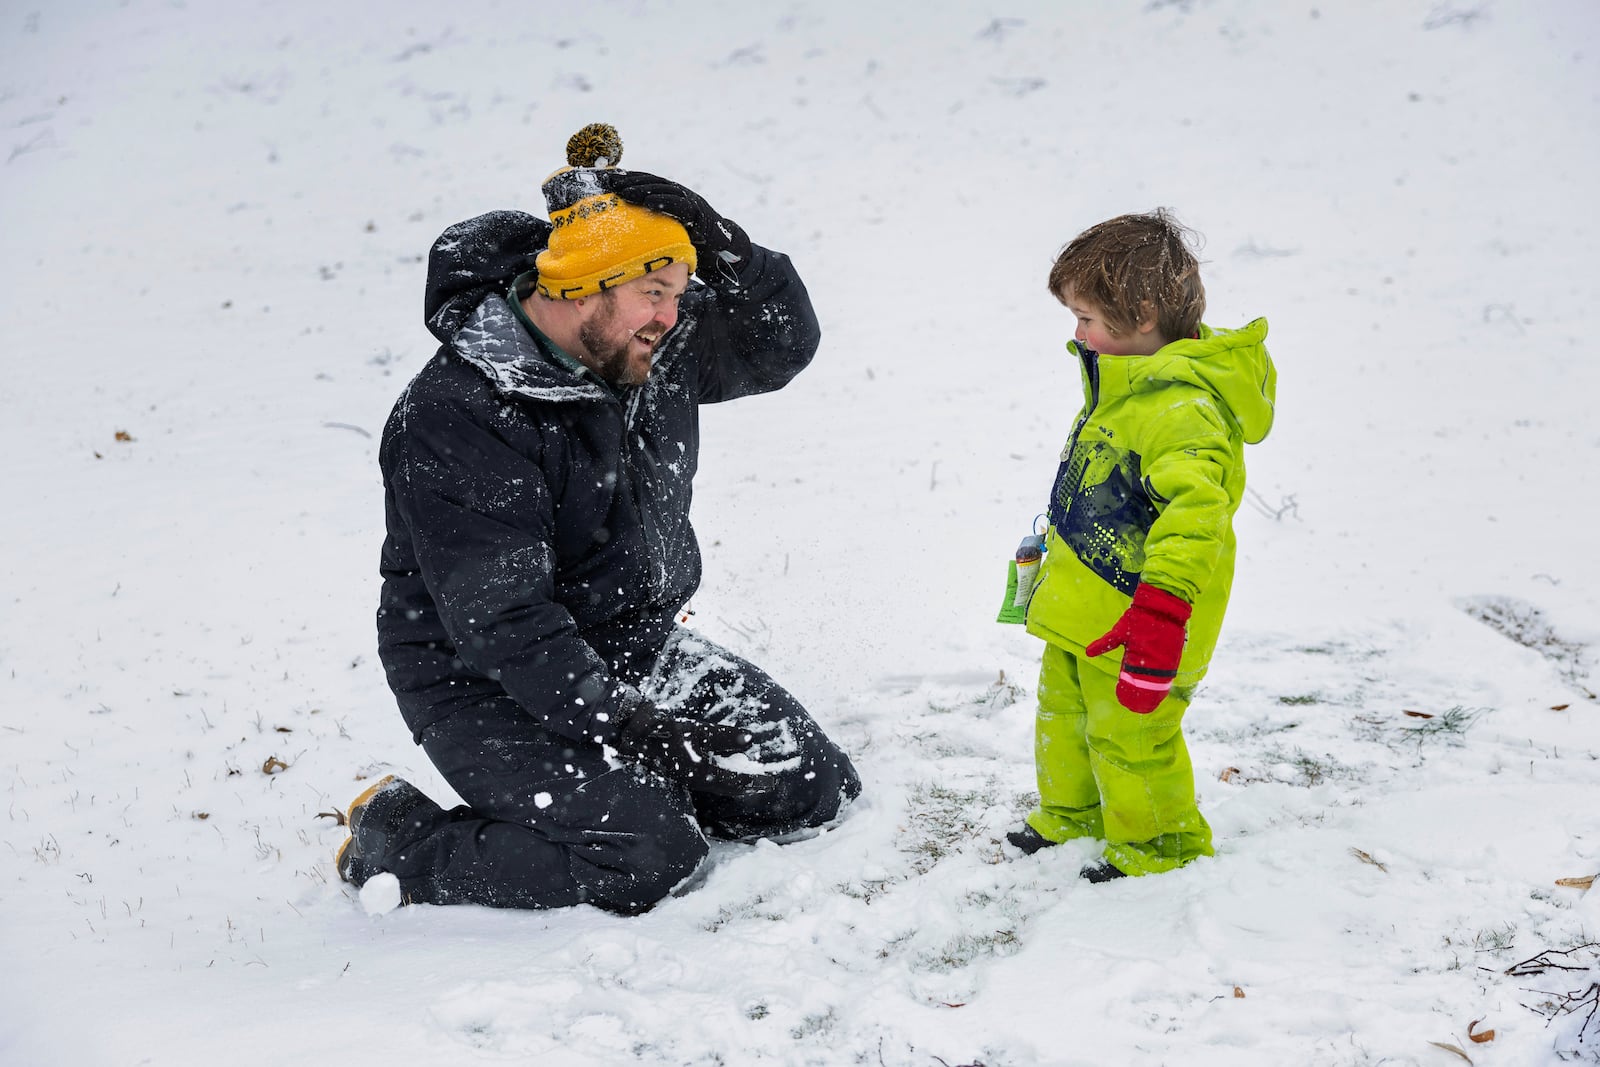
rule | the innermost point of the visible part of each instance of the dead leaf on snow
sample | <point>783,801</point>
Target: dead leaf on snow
<point>1229,774</point>
<point>1559,707</point>
<point>1452,1048</point>
<point>273,765</point>
<point>1418,714</point>
<point>1483,1038</point>
<point>1366,857</point>
<point>202,815</point>
<point>1577,883</point>
<point>124,435</point>
<point>1238,993</point>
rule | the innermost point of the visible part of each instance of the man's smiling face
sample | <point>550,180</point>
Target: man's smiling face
<point>626,323</point>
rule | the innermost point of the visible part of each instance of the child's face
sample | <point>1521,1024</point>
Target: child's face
<point>1092,330</point>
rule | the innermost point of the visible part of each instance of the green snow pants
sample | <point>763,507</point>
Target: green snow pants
<point>1106,772</point>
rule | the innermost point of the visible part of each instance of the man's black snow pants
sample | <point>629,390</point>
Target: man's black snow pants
<point>549,823</point>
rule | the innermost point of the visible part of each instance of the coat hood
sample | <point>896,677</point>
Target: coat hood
<point>474,259</point>
<point>470,268</point>
<point>492,340</point>
<point>1232,365</point>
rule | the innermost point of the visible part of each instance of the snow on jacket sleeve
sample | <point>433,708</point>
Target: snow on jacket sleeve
<point>756,335</point>
<point>480,518</point>
<point>1190,452</point>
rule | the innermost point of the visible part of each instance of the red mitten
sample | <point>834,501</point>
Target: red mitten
<point>1151,633</point>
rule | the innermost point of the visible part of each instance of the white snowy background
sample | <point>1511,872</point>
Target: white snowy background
<point>213,218</point>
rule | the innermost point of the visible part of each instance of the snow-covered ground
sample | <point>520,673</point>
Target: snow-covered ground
<point>212,223</point>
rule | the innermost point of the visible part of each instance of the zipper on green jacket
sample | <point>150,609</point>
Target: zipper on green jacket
<point>1090,360</point>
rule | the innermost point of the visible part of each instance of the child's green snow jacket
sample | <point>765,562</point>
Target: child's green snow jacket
<point>1148,485</point>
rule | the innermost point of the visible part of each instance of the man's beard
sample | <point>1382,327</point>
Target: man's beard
<point>611,359</point>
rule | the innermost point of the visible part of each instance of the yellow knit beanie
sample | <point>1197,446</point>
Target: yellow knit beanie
<point>599,240</point>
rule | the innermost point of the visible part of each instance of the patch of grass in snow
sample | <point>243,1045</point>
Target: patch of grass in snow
<point>962,950</point>
<point>48,850</point>
<point>817,1025</point>
<point>891,946</point>
<point>1447,727</point>
<point>644,1050</point>
<point>995,930</point>
<point>478,1035</point>
<point>944,747</point>
<point>1258,728</point>
<point>1417,729</point>
<point>1001,693</point>
<point>1303,769</point>
<point>940,820</point>
<point>868,888</point>
<point>1341,649</point>
<point>1489,940</point>
<point>744,909</point>
<point>1526,624</point>
<point>1495,938</point>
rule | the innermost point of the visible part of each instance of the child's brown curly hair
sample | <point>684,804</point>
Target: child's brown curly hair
<point>1133,266</point>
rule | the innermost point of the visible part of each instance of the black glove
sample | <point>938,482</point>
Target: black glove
<point>683,749</point>
<point>719,244</point>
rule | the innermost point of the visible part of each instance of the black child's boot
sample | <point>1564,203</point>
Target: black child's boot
<point>1101,871</point>
<point>1029,840</point>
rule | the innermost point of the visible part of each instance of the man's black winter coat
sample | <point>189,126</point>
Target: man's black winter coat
<point>538,521</point>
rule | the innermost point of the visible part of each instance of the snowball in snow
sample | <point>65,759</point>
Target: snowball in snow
<point>381,894</point>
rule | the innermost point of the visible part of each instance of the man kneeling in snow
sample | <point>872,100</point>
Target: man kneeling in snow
<point>537,479</point>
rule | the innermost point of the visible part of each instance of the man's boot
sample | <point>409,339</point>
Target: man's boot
<point>384,817</point>
<point>390,813</point>
<point>352,868</point>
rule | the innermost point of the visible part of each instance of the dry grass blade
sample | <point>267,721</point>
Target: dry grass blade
<point>1577,883</point>
<point>1366,857</point>
<point>1452,1048</point>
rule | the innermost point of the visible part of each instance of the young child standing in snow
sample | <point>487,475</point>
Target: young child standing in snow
<point>1139,554</point>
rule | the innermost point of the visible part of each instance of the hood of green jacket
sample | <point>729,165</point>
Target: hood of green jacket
<point>1233,365</point>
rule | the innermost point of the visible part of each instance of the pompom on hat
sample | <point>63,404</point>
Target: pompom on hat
<point>599,240</point>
